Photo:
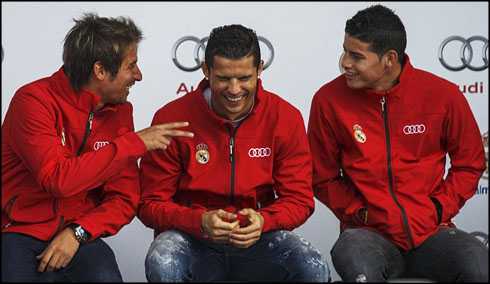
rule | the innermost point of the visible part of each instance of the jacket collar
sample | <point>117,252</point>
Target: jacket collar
<point>82,99</point>
<point>404,82</point>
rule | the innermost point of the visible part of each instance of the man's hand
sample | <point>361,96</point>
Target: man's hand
<point>159,136</point>
<point>59,252</point>
<point>249,235</point>
<point>215,225</point>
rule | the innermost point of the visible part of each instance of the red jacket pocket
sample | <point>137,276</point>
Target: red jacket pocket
<point>26,210</point>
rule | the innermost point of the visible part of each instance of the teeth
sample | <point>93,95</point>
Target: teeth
<point>234,99</point>
<point>129,87</point>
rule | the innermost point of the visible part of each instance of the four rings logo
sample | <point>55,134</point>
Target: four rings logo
<point>201,45</point>
<point>414,129</point>
<point>259,152</point>
<point>465,53</point>
<point>99,144</point>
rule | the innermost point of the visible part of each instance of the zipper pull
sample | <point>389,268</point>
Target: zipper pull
<point>383,104</point>
<point>6,226</point>
<point>91,116</point>
<point>232,143</point>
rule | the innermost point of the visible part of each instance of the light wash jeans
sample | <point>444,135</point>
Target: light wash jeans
<point>450,255</point>
<point>93,262</point>
<point>278,256</point>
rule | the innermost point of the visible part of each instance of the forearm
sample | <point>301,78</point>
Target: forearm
<point>286,214</point>
<point>452,193</point>
<point>65,177</point>
<point>343,199</point>
<point>164,215</point>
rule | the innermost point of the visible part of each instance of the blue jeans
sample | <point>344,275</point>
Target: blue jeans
<point>93,262</point>
<point>450,255</point>
<point>278,256</point>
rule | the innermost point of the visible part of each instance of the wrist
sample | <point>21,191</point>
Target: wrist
<point>81,234</point>
<point>202,227</point>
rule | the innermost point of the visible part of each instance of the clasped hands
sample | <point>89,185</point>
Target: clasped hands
<point>224,227</point>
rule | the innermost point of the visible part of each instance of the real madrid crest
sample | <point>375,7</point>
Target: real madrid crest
<point>358,134</point>
<point>202,154</point>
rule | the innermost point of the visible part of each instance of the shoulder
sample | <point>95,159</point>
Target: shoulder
<point>178,108</point>
<point>278,105</point>
<point>436,80</point>
<point>437,85</point>
<point>335,87</point>
<point>38,88</point>
<point>33,95</point>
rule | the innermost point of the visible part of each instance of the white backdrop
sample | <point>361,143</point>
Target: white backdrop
<point>307,40</point>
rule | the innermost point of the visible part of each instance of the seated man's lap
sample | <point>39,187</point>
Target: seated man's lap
<point>94,261</point>
<point>277,256</point>
<point>447,256</point>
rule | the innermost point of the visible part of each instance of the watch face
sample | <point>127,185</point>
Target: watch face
<point>82,234</point>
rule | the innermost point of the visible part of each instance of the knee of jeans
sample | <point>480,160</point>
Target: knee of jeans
<point>312,265</point>
<point>474,268</point>
<point>166,258</point>
<point>314,270</point>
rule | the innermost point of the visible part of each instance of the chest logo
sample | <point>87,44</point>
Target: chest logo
<point>414,129</point>
<point>100,144</point>
<point>358,134</point>
<point>259,152</point>
<point>202,154</point>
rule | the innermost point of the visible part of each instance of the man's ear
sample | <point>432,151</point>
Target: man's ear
<point>260,67</point>
<point>205,69</point>
<point>99,70</point>
<point>391,58</point>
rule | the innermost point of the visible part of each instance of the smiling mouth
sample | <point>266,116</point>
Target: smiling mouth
<point>129,87</point>
<point>234,99</point>
<point>350,74</point>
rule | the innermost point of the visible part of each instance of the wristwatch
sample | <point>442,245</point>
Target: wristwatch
<point>80,233</point>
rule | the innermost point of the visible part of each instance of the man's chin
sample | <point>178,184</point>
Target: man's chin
<point>123,101</point>
<point>352,85</point>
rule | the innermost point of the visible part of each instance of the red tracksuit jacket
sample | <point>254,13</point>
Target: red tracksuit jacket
<point>45,184</point>
<point>390,157</point>
<point>264,164</point>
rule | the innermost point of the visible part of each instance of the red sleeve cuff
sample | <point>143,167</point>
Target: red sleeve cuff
<point>132,143</point>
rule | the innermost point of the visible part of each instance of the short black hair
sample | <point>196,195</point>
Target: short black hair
<point>232,42</point>
<point>381,28</point>
<point>93,39</point>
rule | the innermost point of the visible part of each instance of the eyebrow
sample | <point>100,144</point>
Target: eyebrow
<point>357,53</point>
<point>242,77</point>
<point>132,63</point>
<point>353,52</point>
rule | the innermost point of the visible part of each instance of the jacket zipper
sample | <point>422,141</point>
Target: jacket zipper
<point>390,177</point>
<point>232,161</point>
<point>59,226</point>
<point>61,219</point>
<point>88,130</point>
<point>11,203</point>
